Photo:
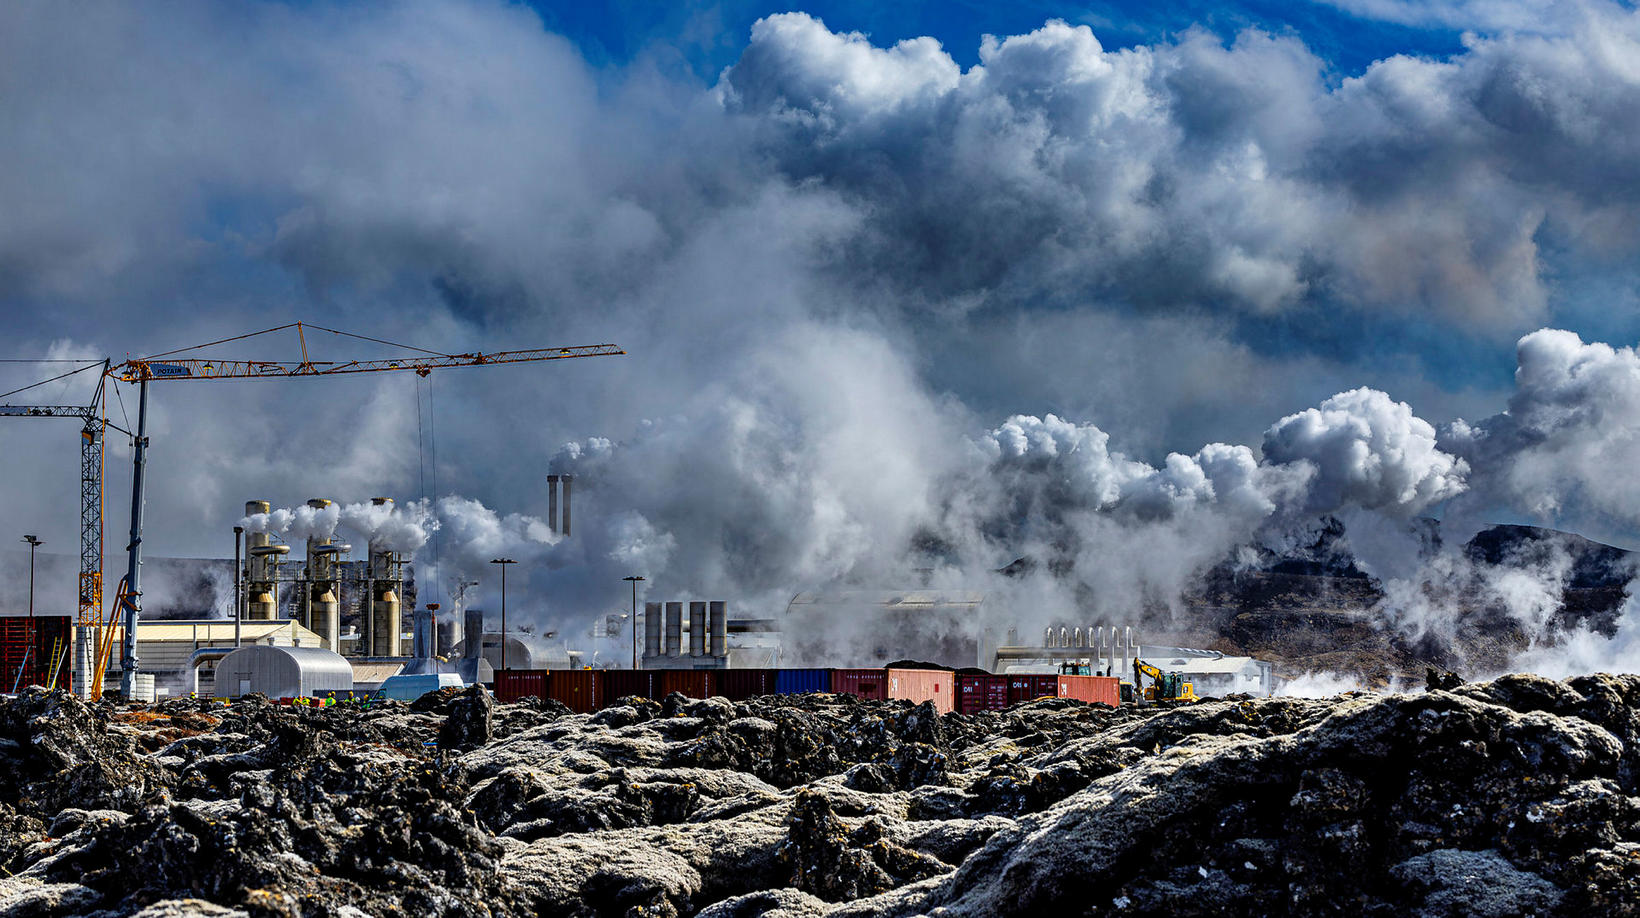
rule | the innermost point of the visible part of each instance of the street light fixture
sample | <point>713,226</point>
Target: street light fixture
<point>503,562</point>
<point>33,543</point>
<point>634,581</point>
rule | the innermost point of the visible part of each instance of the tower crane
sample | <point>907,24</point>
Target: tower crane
<point>93,422</point>
<point>177,365</point>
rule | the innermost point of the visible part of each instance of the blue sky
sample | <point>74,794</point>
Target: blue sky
<point>710,37</point>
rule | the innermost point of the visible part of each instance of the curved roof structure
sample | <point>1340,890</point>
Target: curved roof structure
<point>283,672</point>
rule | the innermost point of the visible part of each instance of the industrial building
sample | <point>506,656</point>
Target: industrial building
<point>170,651</point>
<point>874,627</point>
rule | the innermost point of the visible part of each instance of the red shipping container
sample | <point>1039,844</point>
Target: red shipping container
<point>866,683</point>
<point>920,685</point>
<point>619,683</point>
<point>740,684</point>
<point>691,683</point>
<point>1092,689</point>
<point>977,693</point>
<point>1023,688</point>
<point>513,684</point>
<point>580,690</point>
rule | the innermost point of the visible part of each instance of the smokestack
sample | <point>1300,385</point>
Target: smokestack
<point>261,563</point>
<point>320,609</point>
<point>651,629</point>
<point>674,628</point>
<point>719,618</point>
<point>552,502</point>
<point>384,615</point>
<point>566,480</point>
<point>472,638</point>
<point>697,629</point>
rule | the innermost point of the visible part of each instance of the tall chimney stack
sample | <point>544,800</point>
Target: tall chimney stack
<point>552,502</point>
<point>566,479</point>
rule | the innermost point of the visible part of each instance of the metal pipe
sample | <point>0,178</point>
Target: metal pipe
<point>133,570</point>
<point>203,655</point>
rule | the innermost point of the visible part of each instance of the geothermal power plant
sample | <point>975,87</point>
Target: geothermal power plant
<point>319,615</point>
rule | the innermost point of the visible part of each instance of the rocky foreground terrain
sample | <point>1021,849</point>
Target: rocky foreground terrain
<point>1520,796</point>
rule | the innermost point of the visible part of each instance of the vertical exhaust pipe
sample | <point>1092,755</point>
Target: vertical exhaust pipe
<point>566,479</point>
<point>652,630</point>
<point>552,502</point>
<point>697,629</point>
<point>472,638</point>
<point>674,629</point>
<point>719,612</point>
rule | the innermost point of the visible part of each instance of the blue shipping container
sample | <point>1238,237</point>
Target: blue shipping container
<point>798,681</point>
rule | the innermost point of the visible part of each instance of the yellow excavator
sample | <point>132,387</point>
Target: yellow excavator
<point>1163,686</point>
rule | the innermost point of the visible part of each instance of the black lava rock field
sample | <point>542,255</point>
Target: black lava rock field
<point>1514,797</point>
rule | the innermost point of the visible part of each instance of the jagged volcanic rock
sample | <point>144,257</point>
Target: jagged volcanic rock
<point>1518,796</point>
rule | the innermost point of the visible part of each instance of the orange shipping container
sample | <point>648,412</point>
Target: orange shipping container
<point>920,685</point>
<point>1092,689</point>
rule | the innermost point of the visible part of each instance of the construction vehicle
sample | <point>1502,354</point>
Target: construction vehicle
<point>1163,686</point>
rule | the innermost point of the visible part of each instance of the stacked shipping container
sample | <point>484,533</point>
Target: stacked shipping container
<point>920,685</point>
<point>866,683</point>
<point>584,691</point>
<point>1022,688</point>
<point>977,693</point>
<point>1091,689</point>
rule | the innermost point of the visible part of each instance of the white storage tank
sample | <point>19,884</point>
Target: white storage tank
<point>283,672</point>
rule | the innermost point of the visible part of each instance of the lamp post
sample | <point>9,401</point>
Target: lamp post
<point>33,543</point>
<point>503,562</point>
<point>238,588</point>
<point>634,581</point>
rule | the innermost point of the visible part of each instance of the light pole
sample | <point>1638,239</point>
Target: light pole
<point>238,588</point>
<point>503,562</point>
<point>33,543</point>
<point>634,580</point>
